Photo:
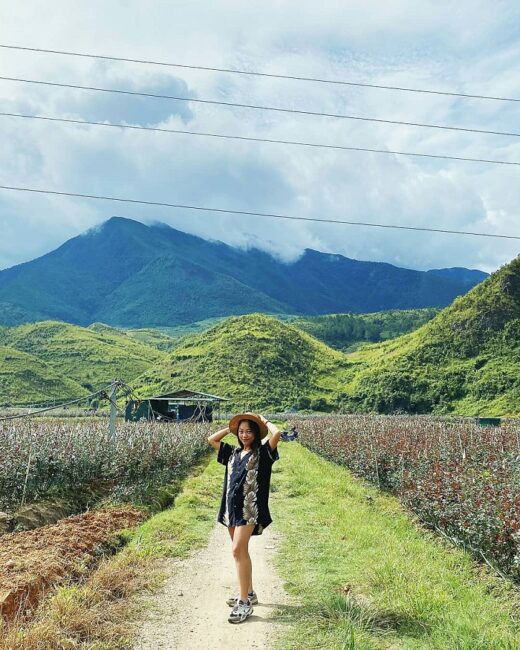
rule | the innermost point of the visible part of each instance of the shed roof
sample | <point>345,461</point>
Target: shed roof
<point>189,395</point>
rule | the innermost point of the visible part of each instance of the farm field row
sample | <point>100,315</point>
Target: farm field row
<point>360,572</point>
<point>364,575</point>
<point>460,479</point>
<point>54,458</point>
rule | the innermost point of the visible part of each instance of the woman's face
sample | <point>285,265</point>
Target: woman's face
<point>246,434</point>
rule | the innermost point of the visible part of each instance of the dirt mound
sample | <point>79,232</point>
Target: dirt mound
<point>32,560</point>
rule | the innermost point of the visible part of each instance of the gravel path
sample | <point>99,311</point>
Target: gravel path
<point>190,610</point>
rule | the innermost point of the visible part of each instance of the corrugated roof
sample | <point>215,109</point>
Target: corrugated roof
<point>189,394</point>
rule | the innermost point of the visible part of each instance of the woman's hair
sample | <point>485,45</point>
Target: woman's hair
<point>256,431</point>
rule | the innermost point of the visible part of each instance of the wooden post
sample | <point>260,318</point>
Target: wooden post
<point>113,411</point>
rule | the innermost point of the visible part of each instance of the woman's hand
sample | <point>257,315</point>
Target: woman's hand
<point>273,430</point>
<point>215,438</point>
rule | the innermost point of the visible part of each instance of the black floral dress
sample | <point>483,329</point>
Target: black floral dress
<point>245,496</point>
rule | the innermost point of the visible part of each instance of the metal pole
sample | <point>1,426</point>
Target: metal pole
<point>113,411</point>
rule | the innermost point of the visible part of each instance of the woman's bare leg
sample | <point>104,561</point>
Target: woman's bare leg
<point>241,537</point>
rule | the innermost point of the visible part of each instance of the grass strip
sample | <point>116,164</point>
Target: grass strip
<point>368,577</point>
<point>99,613</point>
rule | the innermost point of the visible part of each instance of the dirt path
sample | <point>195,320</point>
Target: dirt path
<point>190,611</point>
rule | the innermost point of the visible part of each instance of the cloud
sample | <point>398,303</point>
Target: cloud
<point>472,47</point>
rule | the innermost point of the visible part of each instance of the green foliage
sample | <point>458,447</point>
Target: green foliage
<point>256,361</point>
<point>466,360</point>
<point>343,331</point>
<point>24,379</point>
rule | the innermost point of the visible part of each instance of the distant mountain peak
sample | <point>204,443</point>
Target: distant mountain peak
<point>127,273</point>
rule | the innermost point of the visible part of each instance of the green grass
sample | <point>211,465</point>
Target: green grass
<point>363,576</point>
<point>24,378</point>
<point>178,531</point>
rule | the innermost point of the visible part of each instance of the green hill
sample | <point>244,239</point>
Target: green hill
<point>257,362</point>
<point>87,357</point>
<point>25,379</point>
<point>466,360</point>
<point>150,337</point>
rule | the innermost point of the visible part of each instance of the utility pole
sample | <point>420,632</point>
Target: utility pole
<point>113,411</point>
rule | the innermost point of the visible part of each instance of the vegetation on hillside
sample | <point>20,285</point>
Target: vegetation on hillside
<point>154,338</point>
<point>255,361</point>
<point>128,274</point>
<point>346,331</point>
<point>466,360</point>
<point>25,379</point>
<point>54,360</point>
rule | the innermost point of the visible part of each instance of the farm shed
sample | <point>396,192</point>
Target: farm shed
<point>180,405</point>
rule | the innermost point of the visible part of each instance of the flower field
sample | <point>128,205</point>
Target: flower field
<point>459,478</point>
<point>42,458</point>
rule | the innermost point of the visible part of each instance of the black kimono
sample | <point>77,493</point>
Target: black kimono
<point>245,496</point>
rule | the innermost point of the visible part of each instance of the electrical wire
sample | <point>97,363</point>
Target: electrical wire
<point>261,74</point>
<point>252,139</point>
<point>254,214</point>
<point>53,408</point>
<point>277,109</point>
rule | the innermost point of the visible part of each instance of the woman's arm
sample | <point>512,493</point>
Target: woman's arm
<point>274,431</point>
<point>215,438</point>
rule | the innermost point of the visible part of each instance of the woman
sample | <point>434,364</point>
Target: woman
<point>244,508</point>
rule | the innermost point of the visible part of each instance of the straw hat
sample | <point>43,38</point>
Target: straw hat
<point>235,421</point>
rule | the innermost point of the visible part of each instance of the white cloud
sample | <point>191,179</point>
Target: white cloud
<point>472,47</point>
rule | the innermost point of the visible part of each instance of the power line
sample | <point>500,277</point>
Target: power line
<point>277,109</point>
<point>253,214</point>
<point>101,392</point>
<point>252,139</point>
<point>261,74</point>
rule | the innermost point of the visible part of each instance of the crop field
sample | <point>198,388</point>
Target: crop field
<point>460,479</point>
<point>46,458</point>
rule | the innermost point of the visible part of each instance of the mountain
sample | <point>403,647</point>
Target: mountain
<point>125,273</point>
<point>466,360</point>
<point>256,361</point>
<point>53,360</point>
<point>469,277</point>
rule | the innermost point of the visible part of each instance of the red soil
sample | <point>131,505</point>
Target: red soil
<point>32,560</point>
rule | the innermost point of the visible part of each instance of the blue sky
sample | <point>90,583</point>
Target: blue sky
<point>471,47</point>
